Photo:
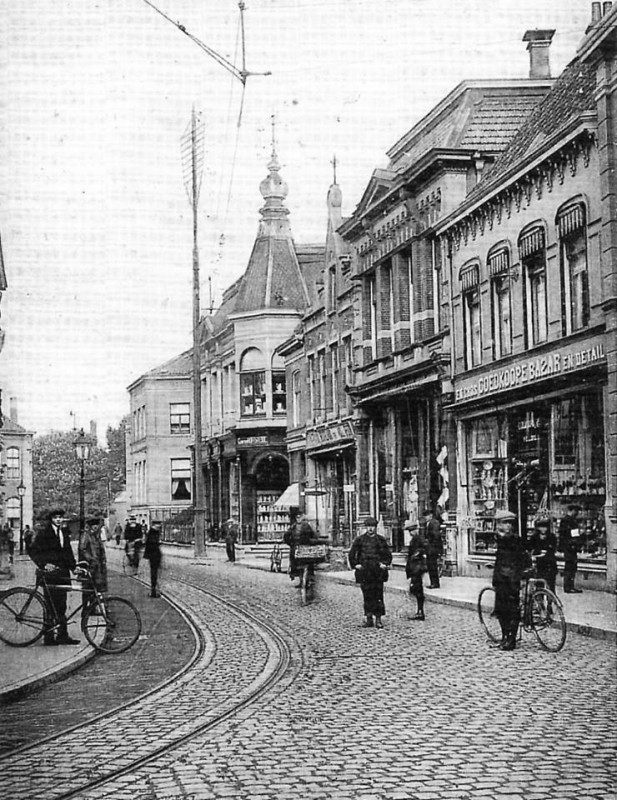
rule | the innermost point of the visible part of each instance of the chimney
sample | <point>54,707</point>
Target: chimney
<point>13,410</point>
<point>606,7</point>
<point>93,431</point>
<point>538,45</point>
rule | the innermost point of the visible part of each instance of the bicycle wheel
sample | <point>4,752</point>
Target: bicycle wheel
<point>113,626</point>
<point>486,613</point>
<point>22,617</point>
<point>307,586</point>
<point>547,620</point>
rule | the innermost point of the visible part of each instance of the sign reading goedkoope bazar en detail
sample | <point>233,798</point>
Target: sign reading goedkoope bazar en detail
<point>561,360</point>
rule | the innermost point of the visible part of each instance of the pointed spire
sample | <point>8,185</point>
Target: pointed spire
<point>273,188</point>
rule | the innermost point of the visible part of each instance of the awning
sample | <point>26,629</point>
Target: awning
<point>289,498</point>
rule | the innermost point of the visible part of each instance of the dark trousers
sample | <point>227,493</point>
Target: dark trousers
<point>372,592</point>
<point>432,562</point>
<point>570,565</point>
<point>231,551</point>
<point>507,609</point>
<point>416,589</point>
<point>155,564</point>
<point>55,603</point>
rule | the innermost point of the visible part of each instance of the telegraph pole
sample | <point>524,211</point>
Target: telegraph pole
<point>192,163</point>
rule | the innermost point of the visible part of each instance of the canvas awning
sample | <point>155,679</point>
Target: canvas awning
<point>289,498</point>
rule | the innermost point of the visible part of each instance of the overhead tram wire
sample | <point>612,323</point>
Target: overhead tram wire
<point>241,74</point>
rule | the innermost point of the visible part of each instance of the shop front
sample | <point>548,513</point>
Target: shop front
<point>330,489</point>
<point>531,439</point>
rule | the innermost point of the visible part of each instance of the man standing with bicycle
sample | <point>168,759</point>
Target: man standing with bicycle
<point>51,551</point>
<point>511,563</point>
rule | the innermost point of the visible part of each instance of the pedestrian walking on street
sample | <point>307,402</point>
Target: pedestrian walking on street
<point>569,543</point>
<point>431,529</point>
<point>511,563</point>
<point>133,536</point>
<point>152,553</point>
<point>51,551</point>
<point>300,532</point>
<point>415,568</point>
<point>370,556</point>
<point>542,545</point>
<point>91,549</point>
<point>118,533</point>
<point>231,537</point>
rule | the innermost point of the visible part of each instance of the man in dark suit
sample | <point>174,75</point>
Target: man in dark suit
<point>51,551</point>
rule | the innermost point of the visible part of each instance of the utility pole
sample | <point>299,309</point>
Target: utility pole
<point>192,164</point>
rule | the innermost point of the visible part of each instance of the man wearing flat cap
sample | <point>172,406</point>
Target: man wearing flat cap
<point>415,567</point>
<point>92,550</point>
<point>511,562</point>
<point>370,556</point>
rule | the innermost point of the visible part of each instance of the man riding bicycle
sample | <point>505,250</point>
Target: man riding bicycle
<point>133,541</point>
<point>299,533</point>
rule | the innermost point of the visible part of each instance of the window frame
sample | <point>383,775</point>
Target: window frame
<point>174,469</point>
<point>532,250</point>
<point>182,427</point>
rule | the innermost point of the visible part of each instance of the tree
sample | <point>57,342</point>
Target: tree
<point>56,473</point>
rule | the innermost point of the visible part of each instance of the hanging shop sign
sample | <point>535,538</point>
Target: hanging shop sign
<point>330,435</point>
<point>561,361</point>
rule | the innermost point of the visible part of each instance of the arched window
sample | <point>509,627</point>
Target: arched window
<point>13,463</point>
<point>469,277</point>
<point>572,226</point>
<point>498,262</point>
<point>532,249</point>
<point>253,383</point>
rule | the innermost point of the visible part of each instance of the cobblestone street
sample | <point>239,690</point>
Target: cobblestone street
<point>413,712</point>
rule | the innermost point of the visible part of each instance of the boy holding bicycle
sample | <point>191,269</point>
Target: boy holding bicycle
<point>511,563</point>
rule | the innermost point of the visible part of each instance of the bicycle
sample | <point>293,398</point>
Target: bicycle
<point>110,624</point>
<point>306,556</point>
<point>541,612</point>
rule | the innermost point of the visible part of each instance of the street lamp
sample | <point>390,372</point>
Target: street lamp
<point>21,491</point>
<point>82,451</point>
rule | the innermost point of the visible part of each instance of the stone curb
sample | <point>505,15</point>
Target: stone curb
<point>50,675</point>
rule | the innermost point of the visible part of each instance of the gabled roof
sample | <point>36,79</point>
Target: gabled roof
<point>8,426</point>
<point>476,115</point>
<point>178,367</point>
<point>273,278</point>
<point>571,97</point>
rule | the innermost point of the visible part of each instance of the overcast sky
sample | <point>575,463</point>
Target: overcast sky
<point>95,222</point>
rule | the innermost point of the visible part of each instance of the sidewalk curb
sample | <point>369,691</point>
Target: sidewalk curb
<point>51,675</point>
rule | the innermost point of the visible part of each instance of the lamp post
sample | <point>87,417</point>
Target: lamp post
<point>82,451</point>
<point>21,491</point>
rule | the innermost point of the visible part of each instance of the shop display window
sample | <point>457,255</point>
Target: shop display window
<point>578,468</point>
<point>488,481</point>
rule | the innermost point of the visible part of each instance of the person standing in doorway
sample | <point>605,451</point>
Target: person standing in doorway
<point>569,543</point>
<point>370,556</point>
<point>152,553</point>
<point>51,551</point>
<point>511,562</point>
<point>415,567</point>
<point>231,537</point>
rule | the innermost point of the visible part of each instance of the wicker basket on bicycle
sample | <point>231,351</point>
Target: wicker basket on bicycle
<point>311,553</point>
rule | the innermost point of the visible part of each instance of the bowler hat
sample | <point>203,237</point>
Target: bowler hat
<point>370,522</point>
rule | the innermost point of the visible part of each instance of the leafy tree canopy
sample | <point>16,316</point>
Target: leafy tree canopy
<point>56,473</point>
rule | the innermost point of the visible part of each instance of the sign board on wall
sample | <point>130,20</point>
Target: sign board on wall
<point>561,360</point>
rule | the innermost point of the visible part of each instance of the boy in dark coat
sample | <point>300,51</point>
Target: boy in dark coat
<point>370,556</point>
<point>542,545</point>
<point>416,567</point>
<point>511,562</point>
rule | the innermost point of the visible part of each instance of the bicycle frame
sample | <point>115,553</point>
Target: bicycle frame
<point>90,596</point>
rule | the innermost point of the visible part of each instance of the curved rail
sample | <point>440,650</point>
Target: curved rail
<point>277,664</point>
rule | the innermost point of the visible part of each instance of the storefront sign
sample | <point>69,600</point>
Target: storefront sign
<point>252,441</point>
<point>531,370</point>
<point>330,435</point>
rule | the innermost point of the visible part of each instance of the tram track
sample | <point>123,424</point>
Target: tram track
<point>277,660</point>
